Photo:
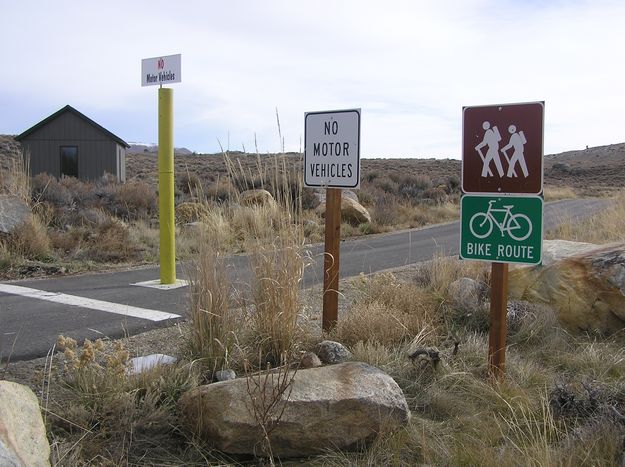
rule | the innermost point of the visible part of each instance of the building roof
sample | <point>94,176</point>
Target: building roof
<point>69,108</point>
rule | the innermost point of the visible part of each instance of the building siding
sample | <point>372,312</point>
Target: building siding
<point>97,153</point>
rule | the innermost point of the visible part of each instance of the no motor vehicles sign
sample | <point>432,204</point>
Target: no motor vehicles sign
<point>332,149</point>
<point>161,70</point>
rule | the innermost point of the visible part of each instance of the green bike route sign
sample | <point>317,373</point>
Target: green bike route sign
<point>503,229</point>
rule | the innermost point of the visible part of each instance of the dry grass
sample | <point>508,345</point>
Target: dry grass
<point>267,317</point>
<point>554,193</point>
<point>213,320</point>
<point>30,240</point>
<point>607,226</point>
<point>16,180</point>
<point>459,416</point>
<point>562,403</point>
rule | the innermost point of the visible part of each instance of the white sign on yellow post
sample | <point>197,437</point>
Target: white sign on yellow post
<point>159,71</point>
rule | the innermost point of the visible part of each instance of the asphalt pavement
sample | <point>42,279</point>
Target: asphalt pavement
<point>109,304</point>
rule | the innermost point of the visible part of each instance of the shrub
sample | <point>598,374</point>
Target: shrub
<point>80,192</point>
<point>189,183</point>
<point>30,240</point>
<point>387,311</point>
<point>111,242</point>
<point>220,191</point>
<point>411,186</point>
<point>309,199</point>
<point>454,183</point>
<point>387,185</point>
<point>135,200</point>
<point>190,212</point>
<point>47,188</point>
<point>365,198</point>
<point>385,210</point>
<point>69,241</point>
<point>436,194</point>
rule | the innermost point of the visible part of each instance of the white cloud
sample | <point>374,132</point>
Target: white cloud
<point>410,67</point>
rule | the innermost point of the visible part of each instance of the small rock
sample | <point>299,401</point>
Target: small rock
<point>309,360</point>
<point>466,293</point>
<point>225,375</point>
<point>139,365</point>
<point>331,352</point>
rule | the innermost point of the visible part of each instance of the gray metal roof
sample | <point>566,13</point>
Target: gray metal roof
<point>69,108</point>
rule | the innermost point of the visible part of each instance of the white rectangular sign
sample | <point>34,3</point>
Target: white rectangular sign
<point>332,149</point>
<point>161,70</point>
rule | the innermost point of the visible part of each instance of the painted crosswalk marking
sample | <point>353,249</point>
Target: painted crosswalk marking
<point>90,303</point>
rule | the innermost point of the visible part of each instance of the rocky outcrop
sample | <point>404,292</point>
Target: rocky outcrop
<point>257,198</point>
<point>13,211</point>
<point>23,441</point>
<point>586,288</point>
<point>333,407</point>
<point>555,250</point>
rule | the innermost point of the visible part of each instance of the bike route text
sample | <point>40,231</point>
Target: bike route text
<point>520,252</point>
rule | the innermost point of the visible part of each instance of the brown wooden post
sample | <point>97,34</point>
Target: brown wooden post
<point>331,259</point>
<point>498,320</point>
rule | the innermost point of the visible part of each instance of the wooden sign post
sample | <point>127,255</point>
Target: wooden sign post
<point>498,320</point>
<point>332,161</point>
<point>501,211</point>
<point>331,259</point>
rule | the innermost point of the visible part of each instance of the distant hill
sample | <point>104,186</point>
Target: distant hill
<point>610,155</point>
<point>148,148</point>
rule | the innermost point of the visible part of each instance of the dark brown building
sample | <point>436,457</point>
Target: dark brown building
<point>71,144</point>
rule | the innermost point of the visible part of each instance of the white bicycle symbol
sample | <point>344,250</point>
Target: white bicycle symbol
<point>517,226</point>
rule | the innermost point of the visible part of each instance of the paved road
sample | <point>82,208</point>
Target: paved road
<point>34,312</point>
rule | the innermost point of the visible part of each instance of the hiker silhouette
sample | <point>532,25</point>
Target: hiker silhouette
<point>517,141</point>
<point>491,139</point>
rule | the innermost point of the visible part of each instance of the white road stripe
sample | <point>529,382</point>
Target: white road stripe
<point>73,300</point>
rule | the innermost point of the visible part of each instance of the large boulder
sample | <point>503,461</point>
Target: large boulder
<point>321,195</point>
<point>352,211</point>
<point>23,439</point>
<point>334,407</point>
<point>555,250</point>
<point>13,211</point>
<point>586,288</point>
<point>257,198</point>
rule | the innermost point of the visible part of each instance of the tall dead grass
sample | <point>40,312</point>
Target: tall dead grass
<point>213,319</point>
<point>606,226</point>
<point>267,317</point>
<point>29,240</point>
<point>460,417</point>
<point>15,180</point>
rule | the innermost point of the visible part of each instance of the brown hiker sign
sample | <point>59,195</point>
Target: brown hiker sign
<point>502,148</point>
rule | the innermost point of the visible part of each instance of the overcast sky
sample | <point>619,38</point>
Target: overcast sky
<point>409,65</point>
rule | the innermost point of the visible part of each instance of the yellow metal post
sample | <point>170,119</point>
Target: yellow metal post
<point>166,185</point>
